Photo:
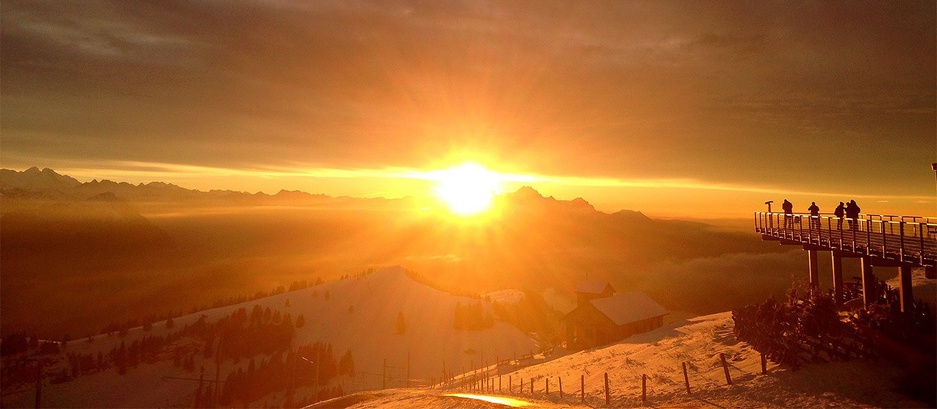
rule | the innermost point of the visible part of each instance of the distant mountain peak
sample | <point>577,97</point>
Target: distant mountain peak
<point>528,196</point>
<point>35,180</point>
<point>632,214</point>
<point>527,192</point>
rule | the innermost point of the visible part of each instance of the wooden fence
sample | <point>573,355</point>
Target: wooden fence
<point>569,390</point>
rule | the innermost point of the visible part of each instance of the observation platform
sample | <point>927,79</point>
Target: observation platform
<point>903,242</point>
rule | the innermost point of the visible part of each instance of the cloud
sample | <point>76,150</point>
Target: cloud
<point>630,91</point>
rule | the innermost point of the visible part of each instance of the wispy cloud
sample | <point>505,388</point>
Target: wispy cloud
<point>150,171</point>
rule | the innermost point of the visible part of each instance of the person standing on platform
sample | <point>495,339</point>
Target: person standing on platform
<point>854,209</point>
<point>851,215</point>
<point>814,215</point>
<point>839,213</point>
<point>788,214</point>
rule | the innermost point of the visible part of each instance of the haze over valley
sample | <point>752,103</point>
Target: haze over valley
<point>131,251</point>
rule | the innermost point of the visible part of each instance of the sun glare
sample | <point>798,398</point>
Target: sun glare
<point>467,189</point>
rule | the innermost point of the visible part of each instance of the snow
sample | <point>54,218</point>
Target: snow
<point>658,354</point>
<point>628,307</point>
<point>505,296</point>
<point>360,315</point>
<point>369,331</point>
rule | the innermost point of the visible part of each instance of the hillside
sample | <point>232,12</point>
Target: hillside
<point>356,314</point>
<point>659,354</point>
<point>183,248</point>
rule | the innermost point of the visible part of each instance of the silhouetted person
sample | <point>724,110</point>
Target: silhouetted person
<point>852,213</point>
<point>839,213</point>
<point>788,214</point>
<point>814,215</point>
<point>848,210</point>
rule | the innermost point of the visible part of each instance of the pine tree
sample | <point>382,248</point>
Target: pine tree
<point>300,321</point>
<point>401,323</point>
<point>346,365</point>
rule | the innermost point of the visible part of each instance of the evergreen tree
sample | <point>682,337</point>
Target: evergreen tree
<point>401,323</point>
<point>120,358</point>
<point>346,365</point>
<point>300,321</point>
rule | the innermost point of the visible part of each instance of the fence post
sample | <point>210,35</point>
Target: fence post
<point>561,387</point>
<point>686,379</point>
<point>547,380</point>
<point>39,382</point>
<point>582,390</point>
<point>510,385</point>
<point>725,368</point>
<point>531,386</point>
<point>521,391</point>
<point>607,396</point>
<point>643,388</point>
<point>764,364</point>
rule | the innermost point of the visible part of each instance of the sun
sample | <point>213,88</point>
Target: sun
<point>467,189</point>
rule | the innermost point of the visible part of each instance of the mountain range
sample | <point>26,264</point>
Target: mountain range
<point>77,256</point>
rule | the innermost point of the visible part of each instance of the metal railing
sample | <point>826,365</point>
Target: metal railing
<point>905,239</point>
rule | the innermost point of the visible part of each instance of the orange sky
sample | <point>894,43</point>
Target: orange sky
<point>672,108</point>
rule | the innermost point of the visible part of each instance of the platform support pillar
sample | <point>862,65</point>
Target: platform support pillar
<point>837,277</point>
<point>868,282</point>
<point>904,288</point>
<point>814,268</point>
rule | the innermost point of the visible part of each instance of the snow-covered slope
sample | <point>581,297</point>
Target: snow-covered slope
<point>699,342</point>
<point>357,314</point>
<point>659,354</point>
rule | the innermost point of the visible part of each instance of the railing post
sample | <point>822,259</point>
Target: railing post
<point>868,236</point>
<point>839,224</point>
<point>884,241</point>
<point>901,241</point>
<point>920,232</point>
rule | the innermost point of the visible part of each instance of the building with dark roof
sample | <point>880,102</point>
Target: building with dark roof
<point>602,317</point>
